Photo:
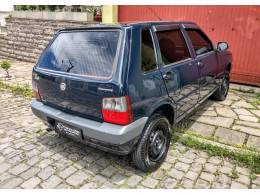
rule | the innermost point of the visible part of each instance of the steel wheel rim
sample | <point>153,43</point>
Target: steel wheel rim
<point>156,145</point>
<point>224,86</point>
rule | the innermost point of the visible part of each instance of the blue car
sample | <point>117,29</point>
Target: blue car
<point>121,87</point>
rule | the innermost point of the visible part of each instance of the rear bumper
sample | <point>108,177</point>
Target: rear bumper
<point>109,137</point>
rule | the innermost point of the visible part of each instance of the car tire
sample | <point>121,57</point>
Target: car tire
<point>153,146</point>
<point>221,93</point>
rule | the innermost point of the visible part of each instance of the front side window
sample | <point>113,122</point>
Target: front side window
<point>200,41</point>
<point>173,46</point>
<point>148,53</point>
<point>88,53</point>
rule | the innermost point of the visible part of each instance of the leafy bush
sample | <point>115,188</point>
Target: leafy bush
<point>72,8</point>
<point>32,7</point>
<point>52,7</point>
<point>91,9</point>
<point>60,7</point>
<point>21,7</point>
<point>6,65</point>
<point>41,7</point>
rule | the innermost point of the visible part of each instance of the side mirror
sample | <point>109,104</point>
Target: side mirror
<point>222,46</point>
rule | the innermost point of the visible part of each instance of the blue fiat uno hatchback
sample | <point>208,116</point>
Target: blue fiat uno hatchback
<point>120,88</point>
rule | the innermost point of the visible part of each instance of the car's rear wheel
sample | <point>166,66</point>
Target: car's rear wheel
<point>153,145</point>
<point>221,93</point>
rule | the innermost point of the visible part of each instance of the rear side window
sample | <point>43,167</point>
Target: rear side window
<point>200,41</point>
<point>173,46</point>
<point>89,53</point>
<point>148,54</point>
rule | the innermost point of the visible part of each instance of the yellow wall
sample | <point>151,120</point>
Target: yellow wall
<point>110,14</point>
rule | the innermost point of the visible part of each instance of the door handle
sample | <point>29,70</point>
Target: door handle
<point>200,64</point>
<point>167,76</point>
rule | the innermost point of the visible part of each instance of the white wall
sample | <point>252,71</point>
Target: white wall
<point>2,17</point>
<point>4,11</point>
<point>6,7</point>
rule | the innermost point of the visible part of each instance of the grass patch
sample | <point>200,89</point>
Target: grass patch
<point>256,102</point>
<point>22,90</point>
<point>242,147</point>
<point>243,90</point>
<point>242,154</point>
<point>234,174</point>
<point>249,159</point>
<point>183,128</point>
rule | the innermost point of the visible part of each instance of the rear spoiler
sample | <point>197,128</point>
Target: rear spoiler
<point>91,27</point>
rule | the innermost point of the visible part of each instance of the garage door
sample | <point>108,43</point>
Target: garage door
<point>238,25</point>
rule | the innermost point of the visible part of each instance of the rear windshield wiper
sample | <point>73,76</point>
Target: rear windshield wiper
<point>71,66</point>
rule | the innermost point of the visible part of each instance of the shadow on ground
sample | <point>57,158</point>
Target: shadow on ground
<point>91,159</point>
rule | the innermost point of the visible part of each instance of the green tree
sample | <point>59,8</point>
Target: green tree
<point>61,7</point>
<point>32,7</point>
<point>52,8</point>
<point>24,7</point>
<point>91,9</point>
<point>6,65</point>
<point>41,7</point>
<point>21,7</point>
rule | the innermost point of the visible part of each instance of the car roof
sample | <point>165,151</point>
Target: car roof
<point>162,22</point>
<point>126,24</point>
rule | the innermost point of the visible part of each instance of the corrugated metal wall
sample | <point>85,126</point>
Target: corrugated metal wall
<point>238,25</point>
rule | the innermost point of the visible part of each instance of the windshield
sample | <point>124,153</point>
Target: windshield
<point>89,53</point>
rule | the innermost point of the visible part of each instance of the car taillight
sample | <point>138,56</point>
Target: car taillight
<point>117,110</point>
<point>36,90</point>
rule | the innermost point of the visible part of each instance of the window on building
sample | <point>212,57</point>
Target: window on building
<point>148,54</point>
<point>200,41</point>
<point>173,46</point>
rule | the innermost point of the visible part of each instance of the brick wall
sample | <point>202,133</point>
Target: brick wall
<point>25,39</point>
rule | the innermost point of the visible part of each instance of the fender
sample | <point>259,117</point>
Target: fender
<point>229,60</point>
<point>163,101</point>
<point>224,58</point>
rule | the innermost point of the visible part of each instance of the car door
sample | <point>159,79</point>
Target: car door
<point>177,66</point>
<point>146,86</point>
<point>206,60</point>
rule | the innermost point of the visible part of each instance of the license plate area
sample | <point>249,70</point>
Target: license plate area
<point>69,130</point>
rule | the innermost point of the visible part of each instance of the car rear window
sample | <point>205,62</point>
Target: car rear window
<point>89,53</point>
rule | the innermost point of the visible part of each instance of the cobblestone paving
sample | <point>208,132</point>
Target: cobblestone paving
<point>234,121</point>
<point>31,157</point>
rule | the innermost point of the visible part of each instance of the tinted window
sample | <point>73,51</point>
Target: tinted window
<point>148,54</point>
<point>200,41</point>
<point>172,45</point>
<point>90,53</point>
